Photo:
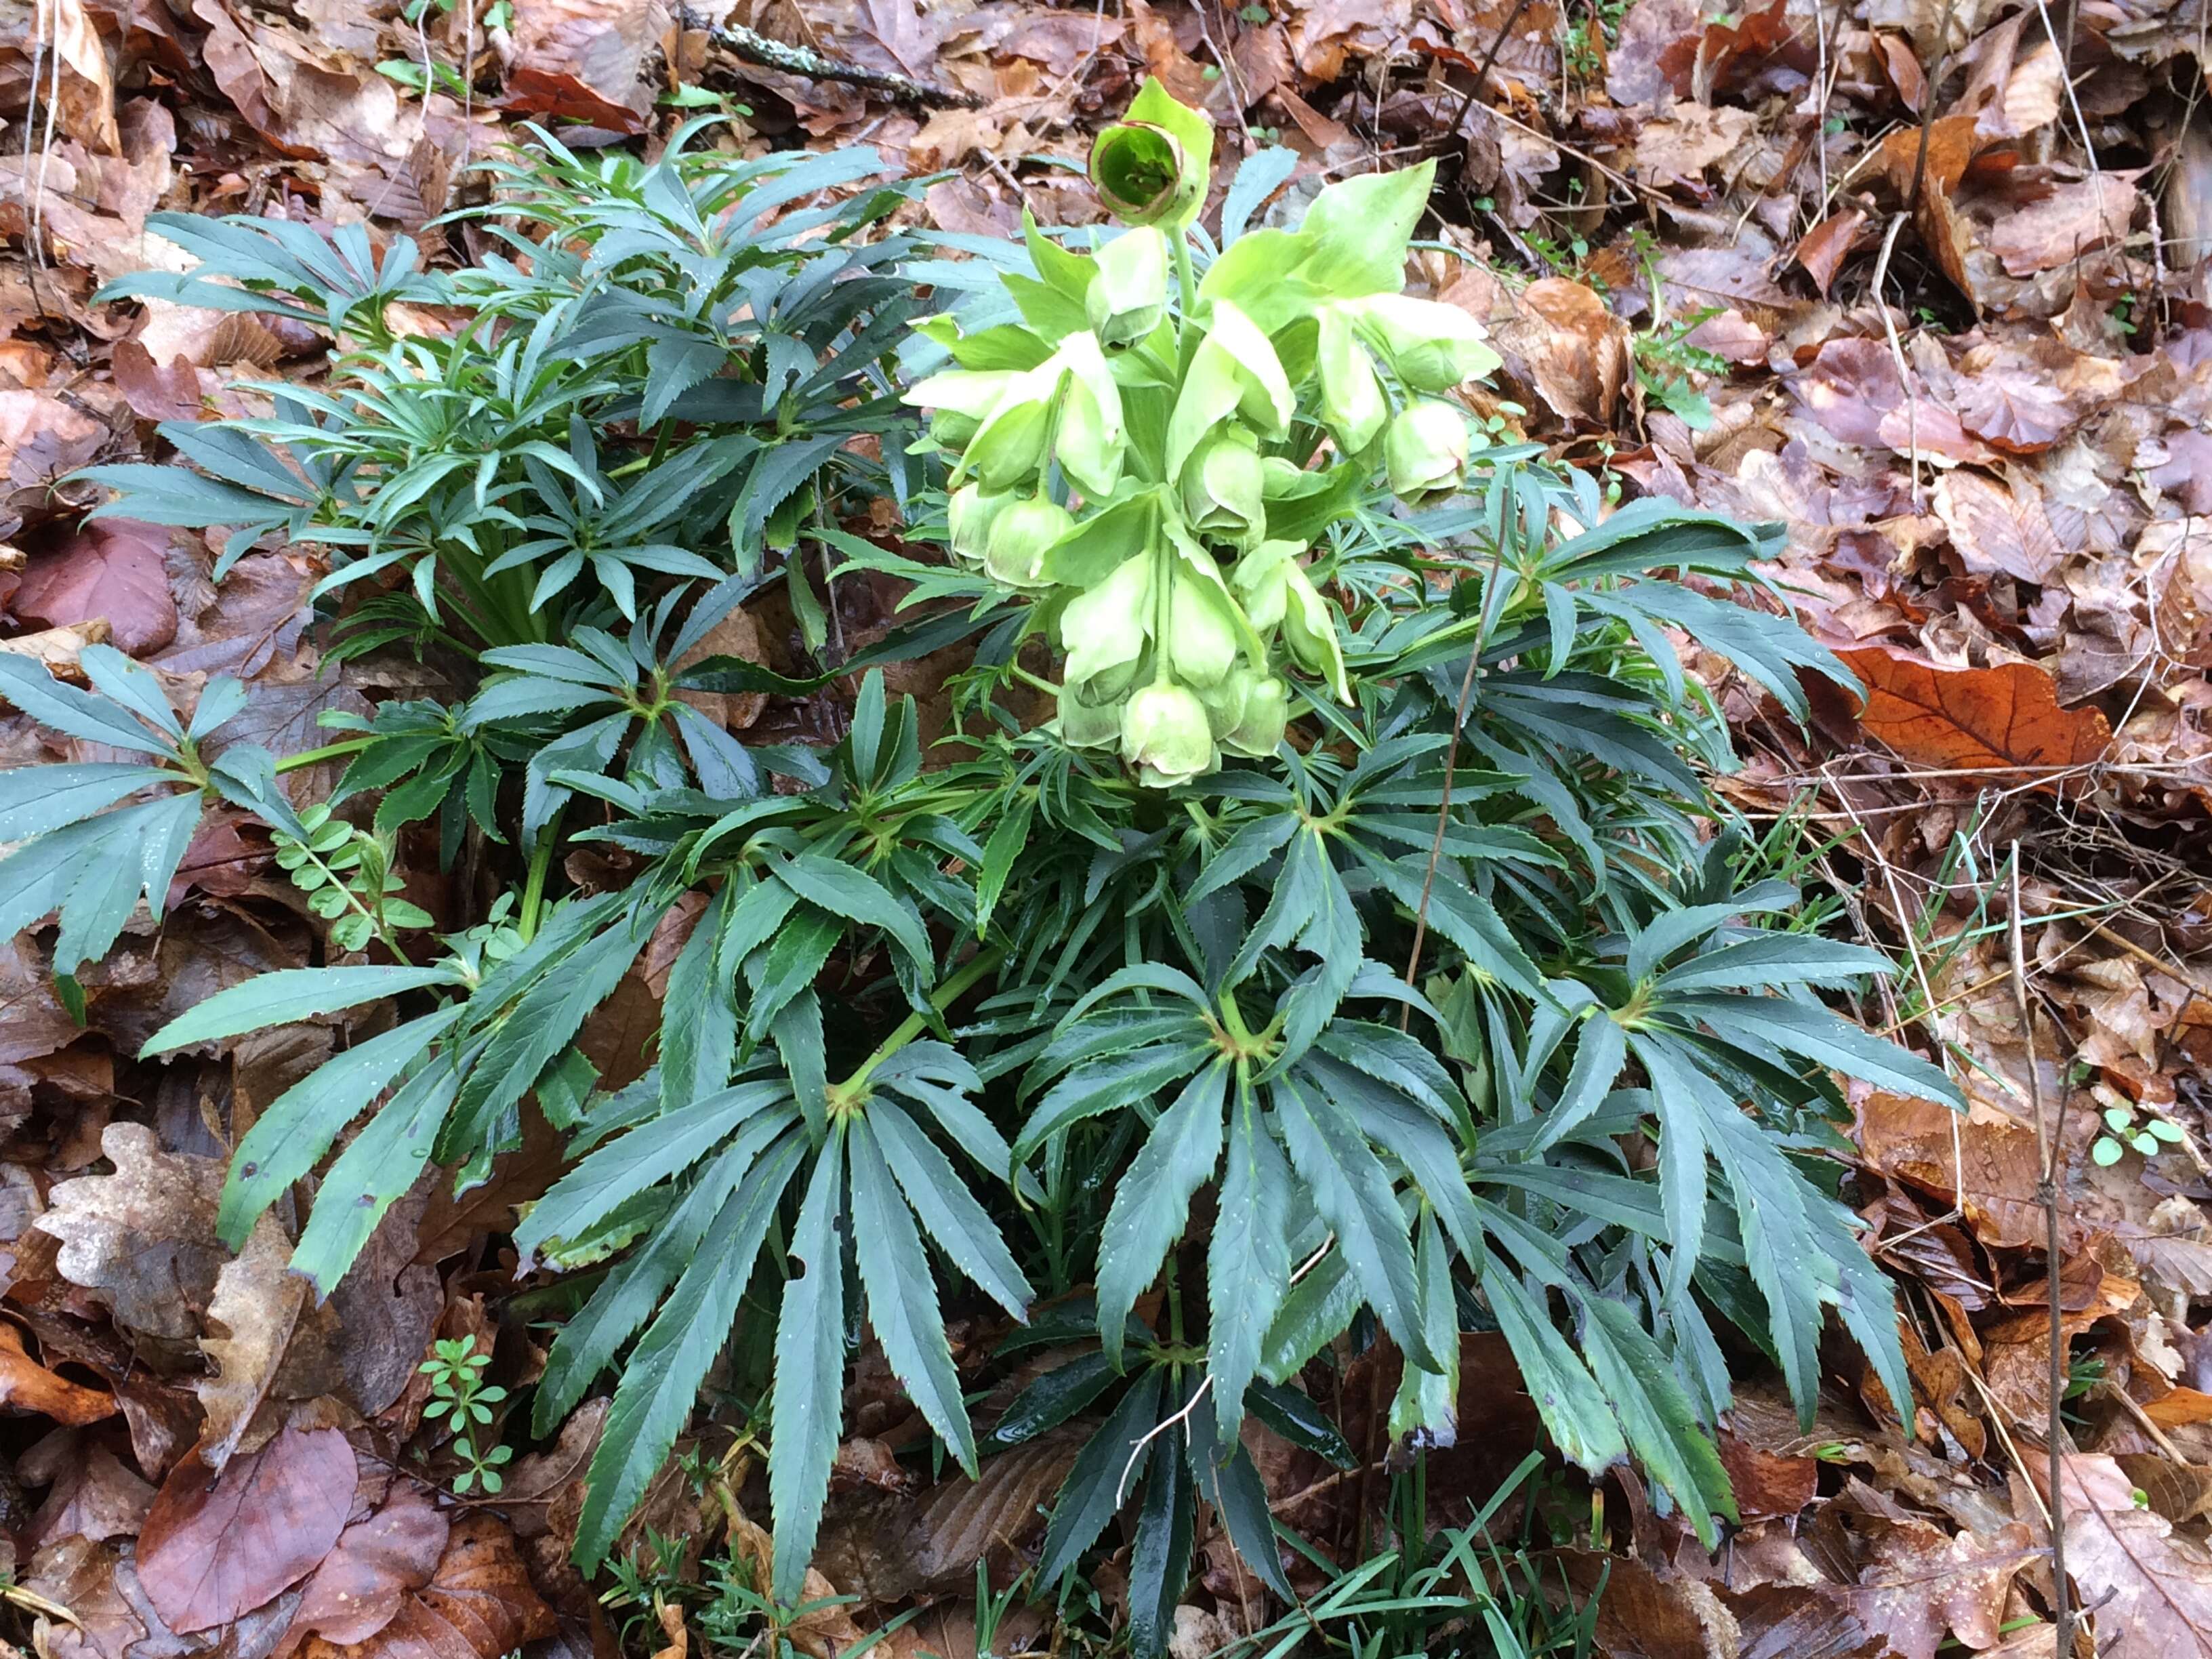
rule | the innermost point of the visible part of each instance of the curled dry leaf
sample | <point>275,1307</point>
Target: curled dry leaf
<point>27,1386</point>
<point>1570,350</point>
<point>141,1239</point>
<point>217,1546</point>
<point>2003,718</point>
<point>278,1344</point>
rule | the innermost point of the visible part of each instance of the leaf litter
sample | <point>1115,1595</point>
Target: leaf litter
<point>1927,284</point>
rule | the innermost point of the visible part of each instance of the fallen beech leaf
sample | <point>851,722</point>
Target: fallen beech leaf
<point>1997,531</point>
<point>278,1344</point>
<point>1678,145</point>
<point>113,569</point>
<point>1920,1583</point>
<point>1994,719</point>
<point>1823,249</point>
<point>478,1604</point>
<point>2179,1491</point>
<point>1767,1485</point>
<point>155,392</point>
<point>358,1589</point>
<point>43,438</point>
<point>2185,473</point>
<point>579,59</point>
<point>216,1547</point>
<point>27,1386</point>
<point>2073,220</point>
<point>2179,1407</point>
<point>58,648</point>
<point>143,1239</point>
<point>1573,352</point>
<point>2018,415</point>
<point>2151,1585</point>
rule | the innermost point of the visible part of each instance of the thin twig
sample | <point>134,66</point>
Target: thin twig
<point>1451,127</point>
<point>2046,1194</point>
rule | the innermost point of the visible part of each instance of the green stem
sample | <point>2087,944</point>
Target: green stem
<point>533,884</point>
<point>913,1025</point>
<point>328,751</point>
<point>1186,285</point>
<point>1036,680</point>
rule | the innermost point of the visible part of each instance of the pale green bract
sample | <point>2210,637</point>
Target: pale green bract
<point>1154,474</point>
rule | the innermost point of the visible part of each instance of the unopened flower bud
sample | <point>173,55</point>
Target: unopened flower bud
<point>1424,453</point>
<point>1165,736</point>
<point>1259,731</point>
<point>1021,535</point>
<point>969,517</point>
<point>1222,484</point>
<point>1309,631</point>
<point>1129,298</point>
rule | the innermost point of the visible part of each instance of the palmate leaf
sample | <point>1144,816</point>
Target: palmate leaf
<point>661,1383</point>
<point>1151,1205</point>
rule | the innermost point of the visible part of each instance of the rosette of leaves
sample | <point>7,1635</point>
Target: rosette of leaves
<point>1150,456</point>
<point>663,383</point>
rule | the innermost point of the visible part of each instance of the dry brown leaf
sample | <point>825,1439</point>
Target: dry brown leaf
<point>478,1604</point>
<point>359,1587</point>
<point>1920,1583</point>
<point>93,1496</point>
<point>1823,249</point>
<point>1572,352</point>
<point>579,59</point>
<point>2074,220</point>
<point>215,1547</point>
<point>2152,1586</point>
<point>1997,531</point>
<point>143,1239</point>
<point>278,1344</point>
<point>1997,718</point>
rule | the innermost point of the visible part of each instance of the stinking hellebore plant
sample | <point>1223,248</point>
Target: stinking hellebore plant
<point>1154,473</point>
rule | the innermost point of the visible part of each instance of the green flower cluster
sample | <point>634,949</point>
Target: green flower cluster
<point>1151,456</point>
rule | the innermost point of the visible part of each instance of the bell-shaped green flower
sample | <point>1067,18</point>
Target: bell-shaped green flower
<point>1424,453</point>
<point>1128,299</point>
<point>1260,584</point>
<point>1222,486</point>
<point>1151,168</point>
<point>1265,713</point>
<point>1202,623</point>
<point>1022,533</point>
<point>1309,631</point>
<point>960,400</point>
<point>1088,441</point>
<point>1104,629</point>
<point>1433,347</point>
<point>1351,401</point>
<point>1087,725</point>
<point>1235,369</point>
<point>969,516</point>
<point>1166,735</point>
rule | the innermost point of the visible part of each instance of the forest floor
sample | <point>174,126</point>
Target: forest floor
<point>1924,279</point>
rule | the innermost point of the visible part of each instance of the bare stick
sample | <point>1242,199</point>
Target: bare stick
<point>2046,1194</point>
<point>755,47</point>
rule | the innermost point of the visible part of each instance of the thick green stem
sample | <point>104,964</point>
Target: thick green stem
<point>533,884</point>
<point>328,751</point>
<point>915,1024</point>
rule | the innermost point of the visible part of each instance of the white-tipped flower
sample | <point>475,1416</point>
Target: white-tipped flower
<point>1433,347</point>
<point>1021,535</point>
<point>1128,297</point>
<point>1165,736</point>
<point>1424,453</point>
<point>1223,484</point>
<point>1104,629</point>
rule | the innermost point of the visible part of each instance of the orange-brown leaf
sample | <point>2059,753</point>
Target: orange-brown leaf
<point>2003,718</point>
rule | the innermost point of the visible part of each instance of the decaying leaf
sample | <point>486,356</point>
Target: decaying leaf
<point>141,1239</point>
